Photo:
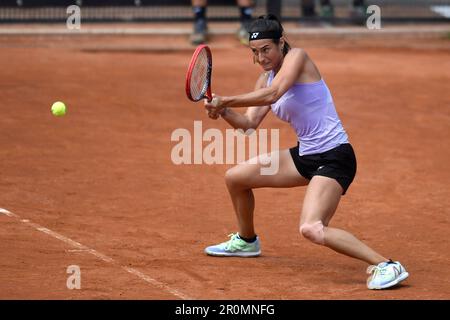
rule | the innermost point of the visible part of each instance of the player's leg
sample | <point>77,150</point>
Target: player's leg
<point>320,203</point>
<point>244,177</point>
<point>240,181</point>
<point>199,34</point>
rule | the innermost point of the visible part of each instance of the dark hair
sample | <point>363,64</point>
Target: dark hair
<point>269,22</point>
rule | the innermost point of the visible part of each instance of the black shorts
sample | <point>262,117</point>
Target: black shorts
<point>338,163</point>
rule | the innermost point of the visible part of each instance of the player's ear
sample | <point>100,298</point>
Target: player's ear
<point>281,44</point>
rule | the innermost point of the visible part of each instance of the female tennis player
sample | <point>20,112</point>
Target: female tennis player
<point>323,160</point>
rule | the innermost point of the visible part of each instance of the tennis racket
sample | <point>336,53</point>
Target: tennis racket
<point>198,77</point>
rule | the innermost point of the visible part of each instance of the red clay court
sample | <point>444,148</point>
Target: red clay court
<point>97,188</point>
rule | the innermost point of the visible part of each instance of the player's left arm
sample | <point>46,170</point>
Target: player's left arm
<point>287,76</point>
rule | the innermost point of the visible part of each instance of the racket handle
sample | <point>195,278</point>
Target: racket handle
<point>209,94</point>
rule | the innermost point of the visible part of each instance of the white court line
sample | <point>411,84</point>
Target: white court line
<point>82,248</point>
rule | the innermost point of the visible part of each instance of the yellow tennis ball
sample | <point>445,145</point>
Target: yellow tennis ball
<point>59,109</point>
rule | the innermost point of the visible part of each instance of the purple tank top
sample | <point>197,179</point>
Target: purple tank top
<point>310,110</point>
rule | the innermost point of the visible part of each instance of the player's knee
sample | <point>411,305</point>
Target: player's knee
<point>232,178</point>
<point>313,232</point>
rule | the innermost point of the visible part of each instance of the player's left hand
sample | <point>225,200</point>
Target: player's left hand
<point>211,113</point>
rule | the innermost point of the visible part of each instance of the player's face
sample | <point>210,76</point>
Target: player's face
<point>268,54</point>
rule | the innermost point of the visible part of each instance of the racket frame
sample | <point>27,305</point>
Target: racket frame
<point>194,58</point>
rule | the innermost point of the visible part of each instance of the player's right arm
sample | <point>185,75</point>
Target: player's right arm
<point>253,116</point>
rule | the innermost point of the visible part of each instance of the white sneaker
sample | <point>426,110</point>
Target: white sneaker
<point>386,274</point>
<point>235,247</point>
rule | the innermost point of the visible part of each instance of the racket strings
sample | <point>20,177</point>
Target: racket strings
<point>199,77</point>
